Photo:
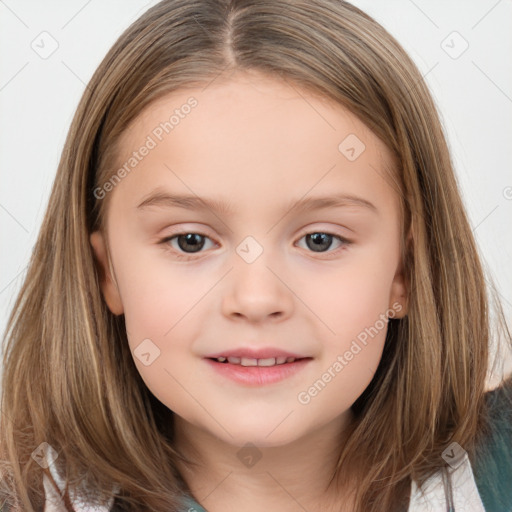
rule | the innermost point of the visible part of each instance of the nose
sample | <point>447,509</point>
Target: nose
<point>257,291</point>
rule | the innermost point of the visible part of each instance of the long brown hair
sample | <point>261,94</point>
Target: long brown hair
<point>69,378</point>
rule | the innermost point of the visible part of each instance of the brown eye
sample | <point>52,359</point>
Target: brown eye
<point>192,241</point>
<point>320,241</point>
<point>187,243</point>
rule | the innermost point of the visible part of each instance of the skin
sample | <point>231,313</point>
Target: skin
<point>259,144</point>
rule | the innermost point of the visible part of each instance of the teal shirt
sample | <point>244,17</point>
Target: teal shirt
<point>493,466</point>
<point>191,505</point>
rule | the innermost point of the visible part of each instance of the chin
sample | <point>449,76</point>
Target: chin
<point>264,434</point>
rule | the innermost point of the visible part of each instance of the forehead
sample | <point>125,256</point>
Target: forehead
<point>249,137</point>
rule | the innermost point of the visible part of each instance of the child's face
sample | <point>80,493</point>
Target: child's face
<point>255,279</point>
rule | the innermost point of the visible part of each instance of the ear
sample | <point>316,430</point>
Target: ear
<point>398,298</point>
<point>107,281</point>
<point>398,295</point>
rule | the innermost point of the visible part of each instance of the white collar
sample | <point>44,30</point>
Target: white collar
<point>465,496</point>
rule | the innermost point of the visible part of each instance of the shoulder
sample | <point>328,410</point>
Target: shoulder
<point>188,504</point>
<point>493,455</point>
<point>55,503</point>
<point>191,505</point>
<point>54,490</point>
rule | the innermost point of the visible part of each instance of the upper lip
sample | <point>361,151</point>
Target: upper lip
<point>252,353</point>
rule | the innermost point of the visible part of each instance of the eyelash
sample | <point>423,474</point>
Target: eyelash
<point>189,256</point>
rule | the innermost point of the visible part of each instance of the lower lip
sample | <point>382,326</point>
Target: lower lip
<point>258,375</point>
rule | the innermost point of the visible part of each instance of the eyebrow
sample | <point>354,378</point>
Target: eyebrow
<point>190,202</point>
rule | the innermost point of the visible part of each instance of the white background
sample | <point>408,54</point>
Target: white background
<point>38,98</point>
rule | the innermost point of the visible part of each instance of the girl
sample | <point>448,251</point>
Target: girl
<point>327,346</point>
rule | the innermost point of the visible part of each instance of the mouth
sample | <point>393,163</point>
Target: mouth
<point>256,372</point>
<point>249,361</point>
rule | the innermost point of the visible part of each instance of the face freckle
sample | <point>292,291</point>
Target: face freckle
<point>249,156</point>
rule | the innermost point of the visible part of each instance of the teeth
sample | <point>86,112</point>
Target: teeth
<point>271,361</point>
<point>246,361</point>
<point>249,361</point>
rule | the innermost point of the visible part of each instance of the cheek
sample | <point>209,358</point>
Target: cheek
<point>161,308</point>
<point>348,298</point>
<point>156,294</point>
<point>352,303</point>
<point>351,356</point>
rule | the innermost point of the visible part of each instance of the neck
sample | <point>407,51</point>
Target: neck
<point>254,478</point>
